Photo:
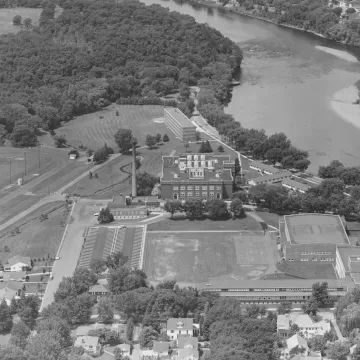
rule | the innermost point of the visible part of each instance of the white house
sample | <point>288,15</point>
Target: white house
<point>296,341</point>
<point>91,344</point>
<point>17,263</point>
<point>179,326</point>
<point>184,342</point>
<point>98,290</point>
<point>187,354</point>
<point>125,349</point>
<point>307,326</point>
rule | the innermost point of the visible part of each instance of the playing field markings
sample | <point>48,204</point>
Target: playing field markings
<point>114,240</point>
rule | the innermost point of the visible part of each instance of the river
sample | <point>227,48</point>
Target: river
<point>286,83</point>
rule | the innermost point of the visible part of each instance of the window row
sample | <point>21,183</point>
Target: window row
<point>197,187</point>
<point>315,259</point>
<point>316,253</point>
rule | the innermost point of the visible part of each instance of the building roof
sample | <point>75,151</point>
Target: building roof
<point>315,228</point>
<point>19,259</point>
<point>296,340</point>
<point>274,177</point>
<point>283,322</point>
<point>184,342</point>
<point>98,288</point>
<point>179,323</point>
<point>87,340</point>
<point>184,353</point>
<point>295,184</point>
<point>14,275</point>
<point>180,117</point>
<point>271,284</point>
<point>214,168</point>
<point>356,278</point>
<point>83,330</point>
<point>345,252</point>
<point>353,226</point>
<point>302,320</point>
<point>160,346</point>
<point>124,347</point>
<point>145,199</point>
<point>265,167</point>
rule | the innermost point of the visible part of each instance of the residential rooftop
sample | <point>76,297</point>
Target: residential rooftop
<point>180,323</point>
<point>315,228</point>
<point>160,346</point>
<point>19,259</point>
<point>179,116</point>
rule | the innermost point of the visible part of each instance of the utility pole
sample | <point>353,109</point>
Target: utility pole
<point>25,162</point>
<point>10,170</point>
<point>39,154</point>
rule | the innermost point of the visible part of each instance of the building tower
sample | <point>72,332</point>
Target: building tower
<point>133,168</point>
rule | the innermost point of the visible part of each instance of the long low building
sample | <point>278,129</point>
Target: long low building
<point>264,168</point>
<point>274,291</point>
<point>271,179</point>
<point>295,185</point>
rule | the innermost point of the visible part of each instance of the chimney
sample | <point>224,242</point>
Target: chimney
<point>133,169</point>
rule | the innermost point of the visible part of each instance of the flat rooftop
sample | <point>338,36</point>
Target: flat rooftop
<point>346,253</point>
<point>315,228</point>
<point>179,116</point>
<point>296,184</point>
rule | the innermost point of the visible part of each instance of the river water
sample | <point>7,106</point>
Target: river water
<point>286,83</point>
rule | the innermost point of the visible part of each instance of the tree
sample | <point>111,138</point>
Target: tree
<point>194,208</point>
<point>17,19</point>
<point>124,279</point>
<point>197,136</point>
<point>284,308</point>
<point>19,334</point>
<point>350,10</point>
<point>116,259</point>
<point>338,351</point>
<point>129,329</point>
<point>166,284</point>
<point>320,294</point>
<point>60,141</point>
<point>118,355</point>
<point>145,183</point>
<point>205,147</point>
<point>23,135</point>
<point>6,321</point>
<point>59,327</point>
<point>166,138</point>
<point>106,335</point>
<point>241,195</point>
<point>274,155</point>
<point>12,352</point>
<point>105,216</point>
<point>217,209</point>
<point>158,138</point>
<point>236,207</point>
<point>317,343</point>
<point>302,164</point>
<point>150,141</point>
<point>80,308</point>
<point>310,307</point>
<point>294,329</point>
<point>101,155</point>
<point>105,309</point>
<point>27,23</point>
<point>355,190</point>
<point>147,336</point>
<point>173,206</point>
<point>97,266</point>
<point>220,148</point>
<point>123,139</point>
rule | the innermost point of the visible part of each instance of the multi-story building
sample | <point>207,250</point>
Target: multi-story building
<point>179,124</point>
<point>197,176</point>
<point>274,291</point>
<point>179,326</point>
<point>313,237</point>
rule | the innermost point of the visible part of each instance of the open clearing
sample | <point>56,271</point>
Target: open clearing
<point>7,15</point>
<point>93,132</point>
<point>50,159</point>
<point>36,238</point>
<point>199,257</point>
<point>179,223</point>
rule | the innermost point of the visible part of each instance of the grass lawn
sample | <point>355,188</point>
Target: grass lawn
<point>36,239</point>
<point>7,15</point>
<point>198,257</point>
<point>93,131</point>
<point>16,205</point>
<point>270,218</point>
<point>50,159</point>
<point>180,224</point>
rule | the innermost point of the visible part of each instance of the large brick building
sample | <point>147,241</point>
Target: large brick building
<point>179,124</point>
<point>313,237</point>
<point>197,176</point>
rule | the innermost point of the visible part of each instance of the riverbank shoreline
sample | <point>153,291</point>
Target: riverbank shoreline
<point>342,103</point>
<point>338,53</point>
<point>245,13</point>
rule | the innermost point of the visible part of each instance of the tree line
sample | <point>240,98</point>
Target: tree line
<point>48,75</point>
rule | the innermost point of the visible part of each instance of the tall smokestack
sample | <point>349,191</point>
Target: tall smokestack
<point>133,168</point>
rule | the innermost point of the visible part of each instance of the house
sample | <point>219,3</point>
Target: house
<point>72,157</point>
<point>184,342</point>
<point>9,290</point>
<point>91,344</point>
<point>271,179</point>
<point>179,326</point>
<point>14,275</point>
<point>160,348</point>
<point>187,354</point>
<point>83,330</point>
<point>98,290</point>
<point>125,349</point>
<point>307,326</point>
<point>17,263</point>
<point>297,341</point>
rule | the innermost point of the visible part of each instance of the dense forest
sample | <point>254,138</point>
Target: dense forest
<point>313,15</point>
<point>97,52</point>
